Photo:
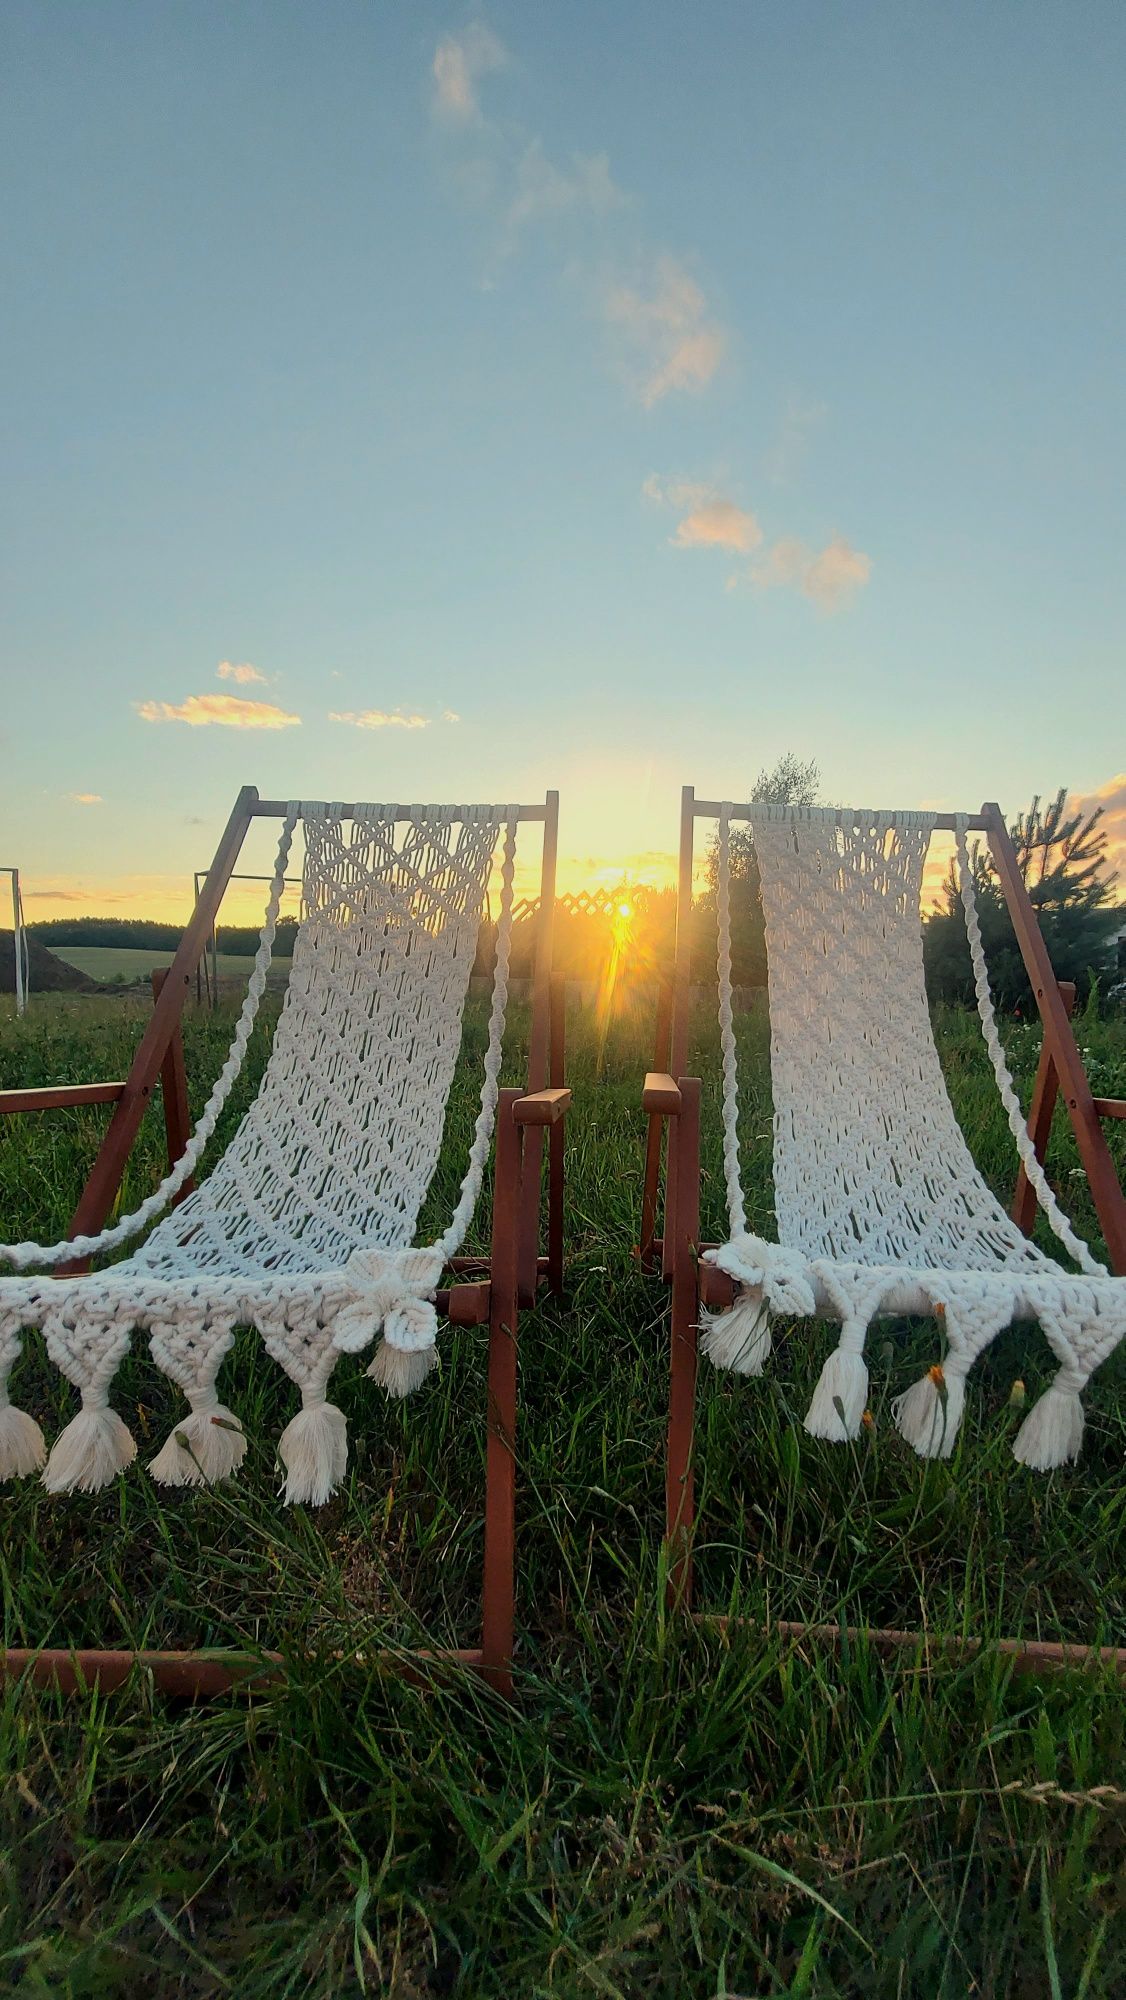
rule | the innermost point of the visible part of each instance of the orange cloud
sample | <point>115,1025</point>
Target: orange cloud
<point>460,61</point>
<point>243,673</point>
<point>827,578</point>
<point>229,711</point>
<point>85,798</point>
<point>673,343</point>
<point>718,524</point>
<point>379,718</point>
<point>1111,797</point>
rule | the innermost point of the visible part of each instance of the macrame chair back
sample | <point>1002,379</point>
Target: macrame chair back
<point>304,1229</point>
<point>341,1142</point>
<point>880,1207</point>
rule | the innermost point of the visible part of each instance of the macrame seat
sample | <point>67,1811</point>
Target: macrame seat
<point>880,1208</point>
<point>305,1227</point>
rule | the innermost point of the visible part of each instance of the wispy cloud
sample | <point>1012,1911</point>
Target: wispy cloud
<point>228,711</point>
<point>829,577</point>
<point>243,673</point>
<point>671,339</point>
<point>544,192</point>
<point>786,456</point>
<point>379,718</point>
<point>460,62</point>
<point>86,798</point>
<point>708,518</point>
<point>450,715</point>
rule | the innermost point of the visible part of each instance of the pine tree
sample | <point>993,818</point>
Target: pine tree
<point>1061,853</point>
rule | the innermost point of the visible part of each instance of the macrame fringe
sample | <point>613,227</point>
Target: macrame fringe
<point>90,1453</point>
<point>22,1448</point>
<point>207,1447</point>
<point>738,1339</point>
<point>401,1371</point>
<point>314,1451</point>
<point>840,1398</point>
<point>928,1414</point>
<point>1052,1432</point>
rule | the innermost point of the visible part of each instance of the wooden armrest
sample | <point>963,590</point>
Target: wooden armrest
<point>661,1094</point>
<point>1111,1107</point>
<point>54,1096</point>
<point>541,1107</point>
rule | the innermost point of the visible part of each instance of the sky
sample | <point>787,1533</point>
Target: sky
<point>431,403</point>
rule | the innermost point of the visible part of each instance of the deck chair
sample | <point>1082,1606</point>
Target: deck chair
<point>305,1227</point>
<point>879,1206</point>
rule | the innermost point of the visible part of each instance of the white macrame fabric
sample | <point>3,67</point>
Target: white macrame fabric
<point>305,1227</point>
<point>880,1208</point>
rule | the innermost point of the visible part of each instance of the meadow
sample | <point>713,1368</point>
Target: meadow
<point>667,1810</point>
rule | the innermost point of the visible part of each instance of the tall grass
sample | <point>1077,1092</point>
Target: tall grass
<point>666,1811</point>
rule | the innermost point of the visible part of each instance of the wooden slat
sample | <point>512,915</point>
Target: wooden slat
<point>1027,1655</point>
<point>1110,1107</point>
<point>58,1096</point>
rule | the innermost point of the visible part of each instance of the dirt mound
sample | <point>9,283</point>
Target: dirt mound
<point>48,974</point>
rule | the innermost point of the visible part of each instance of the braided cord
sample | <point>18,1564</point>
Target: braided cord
<point>450,1243</point>
<point>22,1255</point>
<point>1027,1151</point>
<point>735,1209</point>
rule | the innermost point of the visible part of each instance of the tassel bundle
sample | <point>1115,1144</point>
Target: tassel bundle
<point>314,1451</point>
<point>90,1452</point>
<point>929,1413</point>
<point>401,1370</point>
<point>1052,1432</point>
<point>841,1396</point>
<point>206,1448</point>
<point>22,1449</point>
<point>738,1339</point>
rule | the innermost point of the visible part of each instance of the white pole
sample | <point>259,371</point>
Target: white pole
<point>20,948</point>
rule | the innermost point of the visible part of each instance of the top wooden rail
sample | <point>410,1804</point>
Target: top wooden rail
<point>277,809</point>
<point>845,815</point>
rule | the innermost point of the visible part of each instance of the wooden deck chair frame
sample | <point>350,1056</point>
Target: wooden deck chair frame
<point>492,1291</point>
<point>672,1102</point>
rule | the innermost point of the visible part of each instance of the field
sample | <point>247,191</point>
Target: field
<point>666,1812</point>
<point>109,964</point>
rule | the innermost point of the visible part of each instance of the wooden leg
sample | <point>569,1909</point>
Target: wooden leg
<point>679,1477</point>
<point>557,1143</point>
<point>174,1095</point>
<point>652,1182</point>
<point>1045,1090</point>
<point>498,1612</point>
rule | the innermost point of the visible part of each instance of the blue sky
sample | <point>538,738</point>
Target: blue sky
<point>652,389</point>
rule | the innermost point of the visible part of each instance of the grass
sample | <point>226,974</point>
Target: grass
<point>666,1812</point>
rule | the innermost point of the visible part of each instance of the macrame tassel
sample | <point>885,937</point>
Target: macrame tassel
<point>314,1451</point>
<point>929,1413</point>
<point>90,1453</point>
<point>401,1370</point>
<point>739,1338</point>
<point>841,1396</point>
<point>22,1449</point>
<point>207,1447</point>
<point>1052,1432</point>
